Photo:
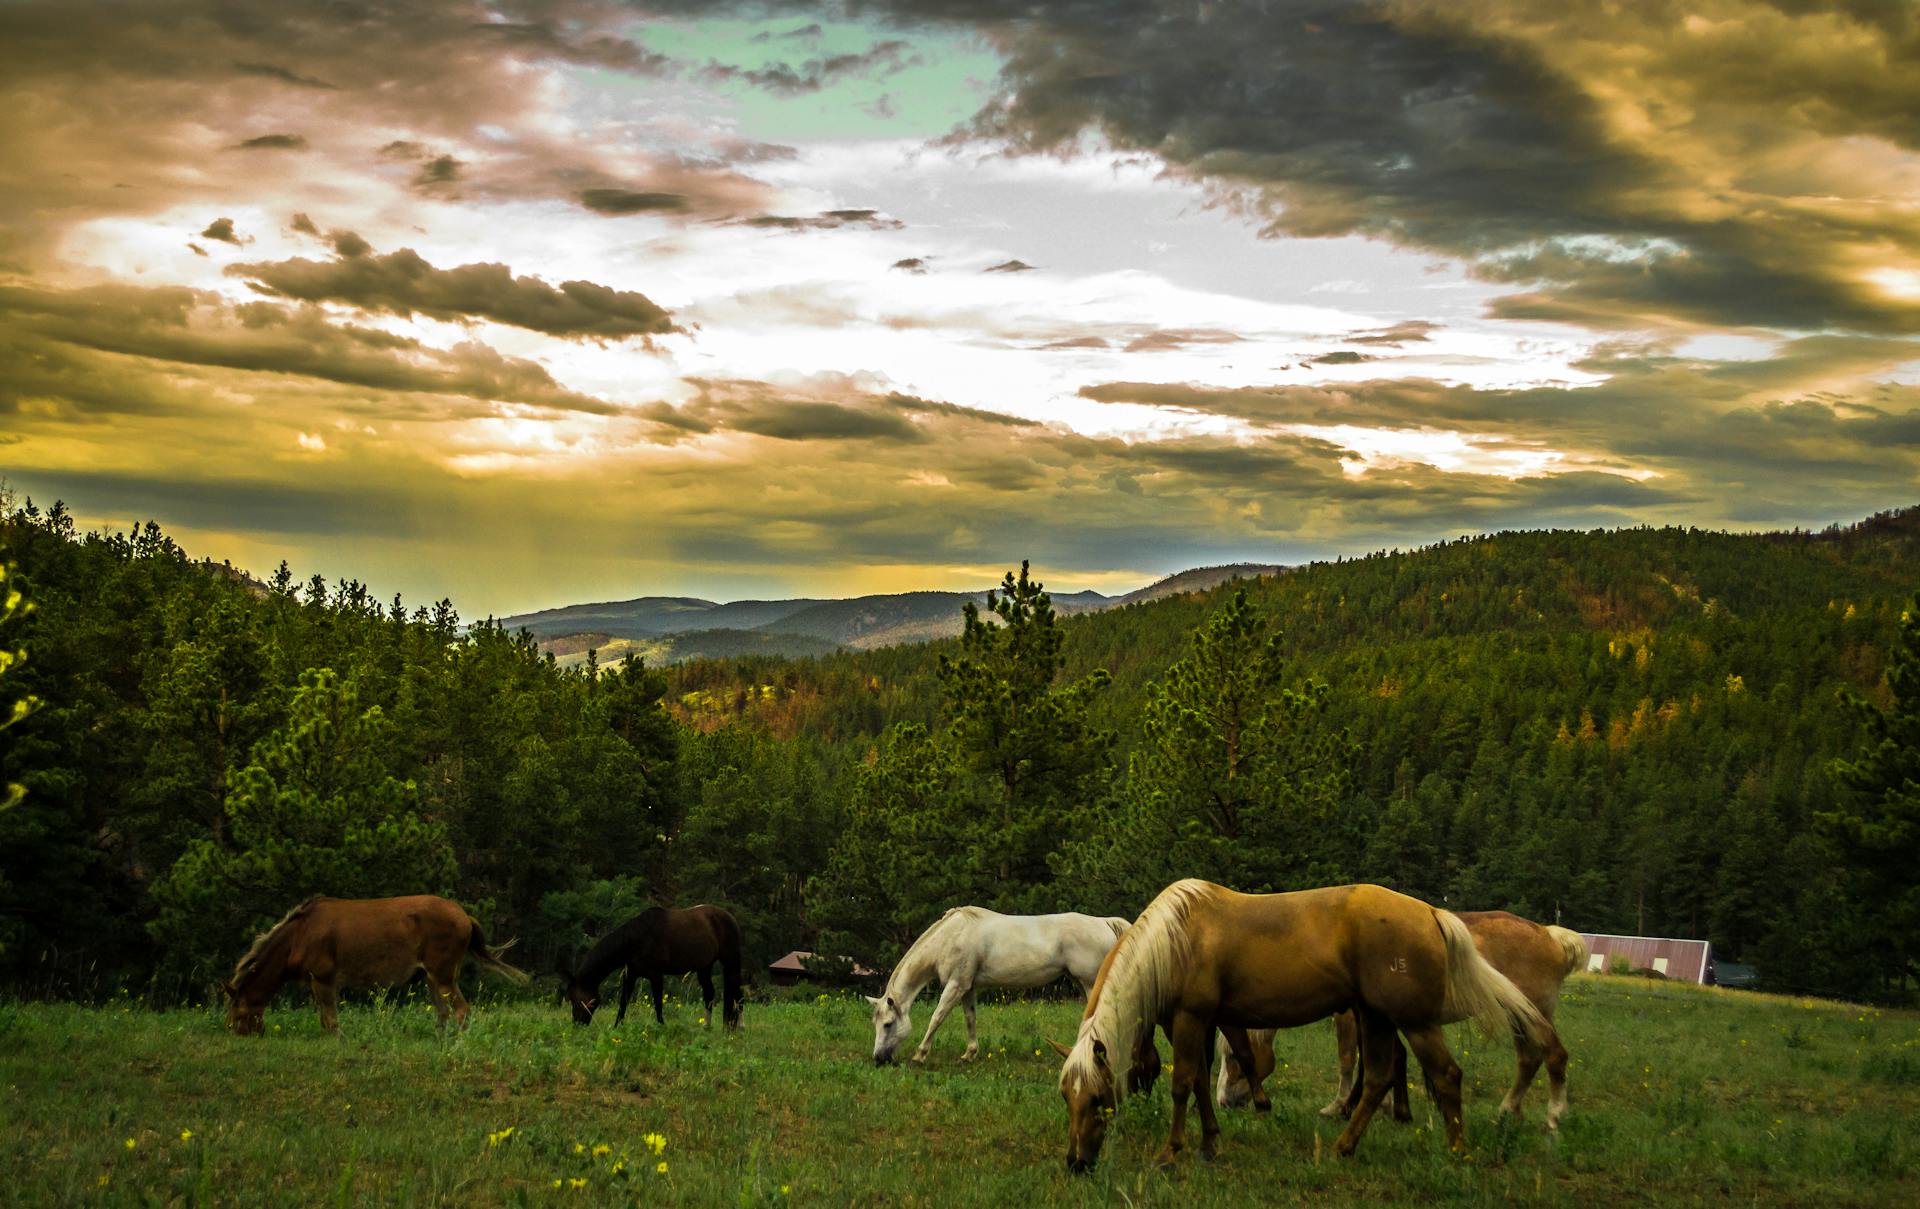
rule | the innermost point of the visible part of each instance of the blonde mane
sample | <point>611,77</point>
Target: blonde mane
<point>1138,980</point>
<point>265,940</point>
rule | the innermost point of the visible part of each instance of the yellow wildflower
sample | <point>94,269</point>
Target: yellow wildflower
<point>558,1183</point>
<point>103,1180</point>
<point>661,1167</point>
<point>576,1185</point>
<point>494,1139</point>
<point>130,1143</point>
<point>655,1142</point>
<point>602,1149</point>
<point>186,1135</point>
<point>619,1166</point>
<point>784,1189</point>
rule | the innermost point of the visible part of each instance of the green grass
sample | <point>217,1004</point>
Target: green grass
<point>1678,1094</point>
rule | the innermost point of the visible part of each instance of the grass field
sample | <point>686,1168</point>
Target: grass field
<point>1680,1095</point>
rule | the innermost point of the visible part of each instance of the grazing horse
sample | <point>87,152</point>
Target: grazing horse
<point>972,947</point>
<point>653,944</point>
<point>1536,957</point>
<point>366,942</point>
<point>1202,956</point>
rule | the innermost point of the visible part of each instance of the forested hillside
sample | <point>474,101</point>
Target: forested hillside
<point>1631,731</point>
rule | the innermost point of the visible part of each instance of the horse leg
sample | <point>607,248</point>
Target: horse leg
<point>627,980</point>
<point>1240,1048</point>
<point>1402,1111</point>
<point>1556,1079</point>
<point>326,997</point>
<point>1443,1080</point>
<point>1346,1031</point>
<point>441,993</point>
<point>1376,1058</point>
<point>973,1035</point>
<point>950,994</point>
<point>1191,1035</point>
<point>706,995</point>
<point>657,984</point>
<point>1209,1122</point>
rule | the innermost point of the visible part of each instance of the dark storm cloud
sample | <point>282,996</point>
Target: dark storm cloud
<point>618,202</point>
<point>402,283</point>
<point>304,225</point>
<point>1723,162</point>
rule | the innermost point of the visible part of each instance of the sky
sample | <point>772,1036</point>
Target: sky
<point>527,304</point>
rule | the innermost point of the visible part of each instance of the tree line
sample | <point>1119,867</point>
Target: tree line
<point>1671,732</point>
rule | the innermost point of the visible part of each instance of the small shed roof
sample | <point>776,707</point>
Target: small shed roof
<point>795,963</point>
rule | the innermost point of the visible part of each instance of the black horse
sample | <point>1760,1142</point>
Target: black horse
<point>655,943</point>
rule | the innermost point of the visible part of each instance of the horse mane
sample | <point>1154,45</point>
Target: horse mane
<point>1118,925</point>
<point>1137,981</point>
<point>925,939</point>
<point>267,939</point>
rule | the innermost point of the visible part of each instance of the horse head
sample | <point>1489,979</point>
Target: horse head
<point>1087,1085</point>
<point>892,1024</point>
<point>245,1013</point>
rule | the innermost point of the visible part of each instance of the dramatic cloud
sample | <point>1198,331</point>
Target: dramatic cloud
<point>1736,161</point>
<point>222,230</point>
<point>402,283</point>
<point>1009,266</point>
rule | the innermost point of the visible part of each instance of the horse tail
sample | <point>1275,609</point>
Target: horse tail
<point>1477,991</point>
<point>1573,945</point>
<point>477,949</point>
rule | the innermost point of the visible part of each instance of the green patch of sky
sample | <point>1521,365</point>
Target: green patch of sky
<point>948,75</point>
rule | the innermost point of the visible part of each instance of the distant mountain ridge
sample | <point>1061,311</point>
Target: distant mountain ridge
<point>669,628</point>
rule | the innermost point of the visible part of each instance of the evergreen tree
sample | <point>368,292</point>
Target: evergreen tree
<point>315,811</point>
<point>910,846</point>
<point>1032,743</point>
<point>1877,830</point>
<point>1235,780</point>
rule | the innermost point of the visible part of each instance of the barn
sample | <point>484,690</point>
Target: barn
<point>1666,956</point>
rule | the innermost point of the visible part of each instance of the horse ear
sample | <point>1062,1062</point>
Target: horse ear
<point>1063,1050</point>
<point>873,999</point>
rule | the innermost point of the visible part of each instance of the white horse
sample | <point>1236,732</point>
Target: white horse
<point>971,947</point>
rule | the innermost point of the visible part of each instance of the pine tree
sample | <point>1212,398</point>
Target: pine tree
<point>315,811</point>
<point>1235,779</point>
<point>1032,742</point>
<point>1878,830</point>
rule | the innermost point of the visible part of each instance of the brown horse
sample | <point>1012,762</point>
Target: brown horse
<point>1536,957</point>
<point>1202,956</point>
<point>657,942</point>
<point>365,942</point>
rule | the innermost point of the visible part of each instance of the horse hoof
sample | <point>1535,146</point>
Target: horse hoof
<point>1263,1106</point>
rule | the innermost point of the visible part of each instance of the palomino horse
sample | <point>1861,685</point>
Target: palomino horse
<point>653,944</point>
<point>971,947</point>
<point>1202,956</point>
<point>1536,957</point>
<point>365,942</point>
